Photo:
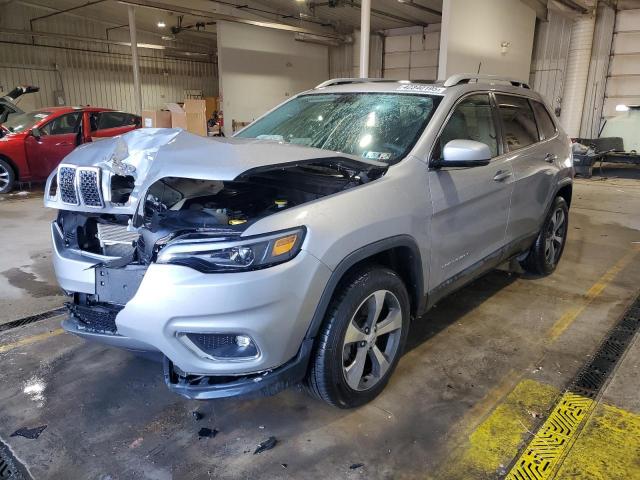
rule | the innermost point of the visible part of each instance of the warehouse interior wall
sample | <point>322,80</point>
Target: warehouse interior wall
<point>83,73</point>
<point>344,59</point>
<point>260,67</point>
<point>591,120</point>
<point>549,60</point>
<point>474,32</point>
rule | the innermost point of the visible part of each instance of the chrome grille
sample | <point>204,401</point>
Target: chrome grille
<point>67,185</point>
<point>89,186</point>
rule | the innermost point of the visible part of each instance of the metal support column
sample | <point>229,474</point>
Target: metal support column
<point>137,91</point>
<point>365,31</point>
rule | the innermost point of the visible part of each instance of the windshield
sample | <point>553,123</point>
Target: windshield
<point>376,126</point>
<point>24,121</point>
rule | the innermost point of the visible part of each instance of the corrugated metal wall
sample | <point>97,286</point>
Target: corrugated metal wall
<point>101,76</point>
<point>598,67</point>
<point>623,83</point>
<point>577,73</point>
<point>549,59</point>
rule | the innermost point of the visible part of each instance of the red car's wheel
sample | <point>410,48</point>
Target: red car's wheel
<point>7,177</point>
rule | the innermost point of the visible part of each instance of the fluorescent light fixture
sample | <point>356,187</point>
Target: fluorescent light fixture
<point>622,108</point>
<point>161,24</point>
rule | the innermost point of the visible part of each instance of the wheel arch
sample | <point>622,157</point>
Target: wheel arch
<point>565,190</point>
<point>399,253</point>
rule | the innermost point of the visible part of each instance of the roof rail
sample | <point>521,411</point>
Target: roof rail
<point>465,77</point>
<point>343,81</point>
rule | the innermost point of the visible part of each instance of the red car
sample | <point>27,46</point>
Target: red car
<point>33,144</point>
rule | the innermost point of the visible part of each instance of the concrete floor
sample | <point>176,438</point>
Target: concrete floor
<point>491,358</point>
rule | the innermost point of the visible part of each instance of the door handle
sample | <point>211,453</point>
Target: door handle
<point>501,175</point>
<point>550,157</point>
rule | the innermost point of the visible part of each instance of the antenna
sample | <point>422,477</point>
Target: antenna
<point>479,66</point>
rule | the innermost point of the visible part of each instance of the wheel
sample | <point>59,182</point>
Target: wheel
<point>7,177</point>
<point>547,249</point>
<point>361,339</point>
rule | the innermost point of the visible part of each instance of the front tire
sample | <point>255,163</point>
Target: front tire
<point>547,249</point>
<point>361,339</point>
<point>7,177</point>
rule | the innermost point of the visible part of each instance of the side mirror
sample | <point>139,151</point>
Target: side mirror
<point>465,153</point>
<point>35,131</point>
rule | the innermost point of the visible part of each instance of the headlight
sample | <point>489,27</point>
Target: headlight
<point>208,256</point>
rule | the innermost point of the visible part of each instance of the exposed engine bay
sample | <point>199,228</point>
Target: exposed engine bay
<point>178,207</point>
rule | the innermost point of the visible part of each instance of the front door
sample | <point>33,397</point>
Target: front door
<point>57,139</point>
<point>470,204</point>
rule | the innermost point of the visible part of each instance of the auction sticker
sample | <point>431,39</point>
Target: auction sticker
<point>416,87</point>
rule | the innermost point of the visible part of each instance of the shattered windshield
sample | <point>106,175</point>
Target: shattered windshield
<point>376,126</point>
<point>24,121</point>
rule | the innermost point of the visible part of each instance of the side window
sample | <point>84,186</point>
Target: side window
<point>69,123</point>
<point>518,122</point>
<point>113,120</point>
<point>545,124</point>
<point>470,120</point>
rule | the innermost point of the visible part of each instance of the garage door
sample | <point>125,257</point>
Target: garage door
<point>412,57</point>
<point>623,83</point>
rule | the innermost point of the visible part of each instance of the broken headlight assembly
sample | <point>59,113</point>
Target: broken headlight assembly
<point>208,256</point>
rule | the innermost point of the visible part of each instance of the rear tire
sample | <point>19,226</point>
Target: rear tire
<point>547,249</point>
<point>7,177</point>
<point>361,339</point>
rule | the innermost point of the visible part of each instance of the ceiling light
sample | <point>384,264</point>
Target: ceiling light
<point>161,24</point>
<point>622,108</point>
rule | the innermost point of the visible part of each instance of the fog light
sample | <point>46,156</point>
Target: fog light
<point>220,345</point>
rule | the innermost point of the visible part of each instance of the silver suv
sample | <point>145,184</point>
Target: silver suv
<point>302,248</point>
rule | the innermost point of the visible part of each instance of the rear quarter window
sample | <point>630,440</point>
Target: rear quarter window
<point>518,122</point>
<point>545,123</point>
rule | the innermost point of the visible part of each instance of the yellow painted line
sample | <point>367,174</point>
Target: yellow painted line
<point>607,448</point>
<point>553,440</point>
<point>472,456</point>
<point>569,316</point>
<point>29,340</point>
<point>497,440</point>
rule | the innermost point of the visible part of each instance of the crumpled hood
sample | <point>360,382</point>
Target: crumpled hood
<point>149,154</point>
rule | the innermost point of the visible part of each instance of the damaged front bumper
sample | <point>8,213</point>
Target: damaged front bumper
<point>154,307</point>
<point>269,382</point>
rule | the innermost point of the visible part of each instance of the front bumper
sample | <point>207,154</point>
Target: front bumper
<point>273,306</point>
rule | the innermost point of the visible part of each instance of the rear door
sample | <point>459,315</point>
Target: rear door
<point>470,204</point>
<point>110,124</point>
<point>58,138</point>
<point>529,134</point>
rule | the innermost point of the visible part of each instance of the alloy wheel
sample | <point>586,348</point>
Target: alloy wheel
<point>5,177</point>
<point>555,237</point>
<point>372,340</point>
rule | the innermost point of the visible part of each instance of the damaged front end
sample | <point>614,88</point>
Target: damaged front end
<point>137,209</point>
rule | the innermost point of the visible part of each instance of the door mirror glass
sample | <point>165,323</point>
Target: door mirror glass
<point>465,153</point>
<point>35,131</point>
